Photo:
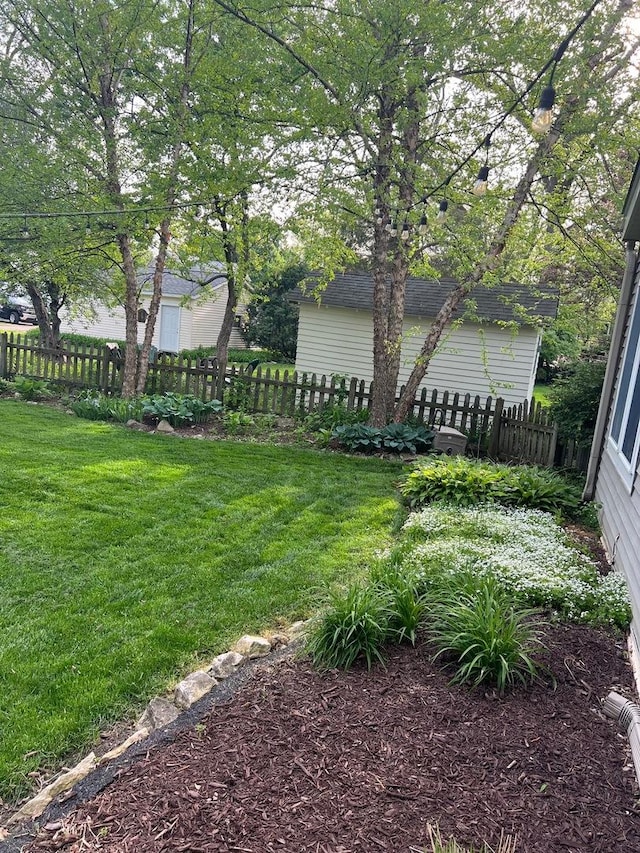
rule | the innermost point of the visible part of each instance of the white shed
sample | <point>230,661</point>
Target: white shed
<point>494,354</point>
<point>190,313</point>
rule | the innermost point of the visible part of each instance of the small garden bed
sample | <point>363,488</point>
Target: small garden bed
<point>365,760</point>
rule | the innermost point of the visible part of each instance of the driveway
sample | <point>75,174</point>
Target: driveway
<point>18,328</point>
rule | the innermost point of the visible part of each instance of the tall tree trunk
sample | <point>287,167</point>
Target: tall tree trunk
<point>47,312</point>
<point>170,199</point>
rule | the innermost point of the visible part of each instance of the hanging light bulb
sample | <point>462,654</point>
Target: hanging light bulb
<point>87,229</point>
<point>442,210</point>
<point>146,222</point>
<point>378,216</point>
<point>393,229</point>
<point>543,115</point>
<point>482,181</point>
<point>404,234</point>
<point>422,227</point>
<point>24,231</point>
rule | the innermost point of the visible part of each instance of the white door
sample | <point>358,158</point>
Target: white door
<point>169,328</point>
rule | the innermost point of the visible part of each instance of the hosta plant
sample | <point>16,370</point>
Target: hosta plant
<point>179,409</point>
<point>465,482</point>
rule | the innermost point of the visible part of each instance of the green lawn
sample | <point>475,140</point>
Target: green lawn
<point>541,394</point>
<point>125,557</point>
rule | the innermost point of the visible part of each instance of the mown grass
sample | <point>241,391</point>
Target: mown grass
<point>125,557</point>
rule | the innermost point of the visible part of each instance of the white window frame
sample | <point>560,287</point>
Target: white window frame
<point>627,467</point>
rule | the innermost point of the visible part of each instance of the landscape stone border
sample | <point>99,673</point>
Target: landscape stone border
<point>192,698</point>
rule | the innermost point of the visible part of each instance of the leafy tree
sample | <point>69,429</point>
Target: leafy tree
<point>395,96</point>
<point>272,321</point>
<point>575,399</point>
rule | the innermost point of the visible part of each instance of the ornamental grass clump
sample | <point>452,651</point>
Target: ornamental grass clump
<point>487,636</point>
<point>355,626</point>
<point>406,603</point>
<point>525,550</point>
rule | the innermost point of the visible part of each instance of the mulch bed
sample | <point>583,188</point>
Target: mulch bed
<point>362,761</point>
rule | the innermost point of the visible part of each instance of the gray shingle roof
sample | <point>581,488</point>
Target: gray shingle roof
<point>424,297</point>
<point>177,284</point>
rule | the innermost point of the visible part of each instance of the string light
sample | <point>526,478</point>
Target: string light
<point>442,210</point>
<point>24,231</point>
<point>543,114</point>
<point>404,234</point>
<point>482,181</point>
<point>422,227</point>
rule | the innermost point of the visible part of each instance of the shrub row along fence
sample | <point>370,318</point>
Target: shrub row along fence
<point>521,433</point>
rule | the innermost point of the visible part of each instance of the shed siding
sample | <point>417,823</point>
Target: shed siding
<point>207,320</point>
<point>109,323</point>
<point>199,323</point>
<point>472,359</point>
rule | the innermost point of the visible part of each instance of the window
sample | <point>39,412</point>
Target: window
<point>624,436</point>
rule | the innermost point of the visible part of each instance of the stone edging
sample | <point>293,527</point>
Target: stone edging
<point>160,713</point>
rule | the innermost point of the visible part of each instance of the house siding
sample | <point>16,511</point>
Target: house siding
<point>620,522</point>
<point>620,513</point>
<point>473,359</point>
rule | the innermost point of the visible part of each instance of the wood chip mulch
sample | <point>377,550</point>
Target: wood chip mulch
<point>364,761</point>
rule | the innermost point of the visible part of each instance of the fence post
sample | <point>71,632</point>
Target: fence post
<point>551,458</point>
<point>494,444</point>
<point>4,361</point>
<point>104,381</point>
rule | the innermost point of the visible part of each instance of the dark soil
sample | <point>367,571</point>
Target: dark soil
<point>363,761</point>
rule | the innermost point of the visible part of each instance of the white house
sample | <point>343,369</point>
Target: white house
<point>190,313</point>
<point>614,464</point>
<point>495,353</point>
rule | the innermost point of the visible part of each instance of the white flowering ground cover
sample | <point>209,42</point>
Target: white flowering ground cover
<point>525,549</point>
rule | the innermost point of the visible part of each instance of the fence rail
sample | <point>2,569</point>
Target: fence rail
<point>523,433</point>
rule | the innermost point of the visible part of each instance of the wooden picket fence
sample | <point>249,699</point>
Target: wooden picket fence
<point>522,433</point>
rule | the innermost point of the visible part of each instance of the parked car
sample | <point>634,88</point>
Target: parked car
<point>17,309</point>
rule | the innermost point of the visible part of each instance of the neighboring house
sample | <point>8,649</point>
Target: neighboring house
<point>492,352</point>
<point>190,313</point>
<point>612,477</point>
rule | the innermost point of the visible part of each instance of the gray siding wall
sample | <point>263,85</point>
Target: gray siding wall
<point>620,520</point>
<point>620,516</point>
<point>471,359</point>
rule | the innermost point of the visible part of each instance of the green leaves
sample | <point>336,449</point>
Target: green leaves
<point>179,409</point>
<point>489,638</point>
<point>397,438</point>
<point>465,482</point>
<point>356,625</point>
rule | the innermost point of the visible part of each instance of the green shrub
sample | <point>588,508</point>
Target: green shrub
<point>465,482</point>
<point>402,438</point>
<point>358,437</point>
<point>333,415</point>
<point>489,637</point>
<point>575,400</point>
<point>237,423</point>
<point>355,626</point>
<point>179,409</point>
